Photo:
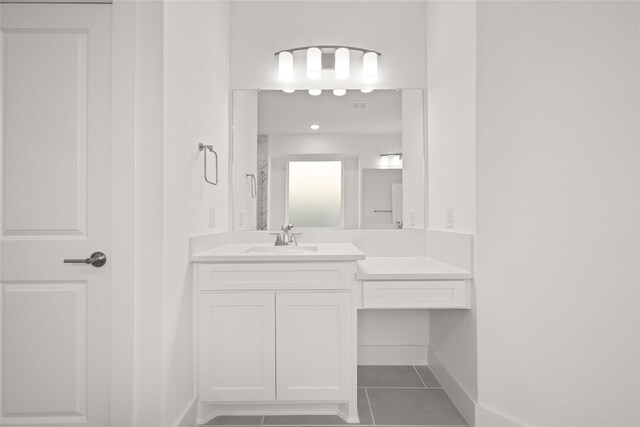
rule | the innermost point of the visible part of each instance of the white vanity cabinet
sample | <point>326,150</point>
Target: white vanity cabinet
<point>313,346</point>
<point>277,337</point>
<point>236,347</point>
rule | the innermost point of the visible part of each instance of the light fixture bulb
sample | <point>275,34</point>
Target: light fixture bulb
<point>370,67</point>
<point>285,67</point>
<point>315,92</point>
<point>366,90</point>
<point>339,92</point>
<point>314,127</point>
<point>342,63</point>
<point>314,63</point>
<point>288,90</point>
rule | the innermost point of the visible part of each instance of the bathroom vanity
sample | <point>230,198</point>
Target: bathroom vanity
<point>276,330</point>
<point>277,325</point>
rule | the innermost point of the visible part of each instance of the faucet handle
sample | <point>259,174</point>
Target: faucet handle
<point>292,238</point>
<point>278,239</point>
<point>287,227</point>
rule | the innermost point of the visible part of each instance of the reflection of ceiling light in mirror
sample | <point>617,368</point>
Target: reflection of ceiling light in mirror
<point>314,127</point>
<point>285,66</point>
<point>315,92</point>
<point>391,160</point>
<point>366,90</point>
<point>339,92</point>
<point>288,90</point>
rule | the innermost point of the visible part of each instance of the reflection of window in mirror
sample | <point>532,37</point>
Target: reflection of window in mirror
<point>314,195</point>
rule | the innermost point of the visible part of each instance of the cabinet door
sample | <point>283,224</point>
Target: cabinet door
<point>236,347</point>
<point>313,346</point>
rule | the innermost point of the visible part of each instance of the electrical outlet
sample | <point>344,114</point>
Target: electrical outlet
<point>412,215</point>
<point>241,218</point>
<point>212,218</point>
<point>450,218</point>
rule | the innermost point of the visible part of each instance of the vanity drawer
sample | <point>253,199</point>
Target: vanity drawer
<point>416,294</point>
<point>275,276</point>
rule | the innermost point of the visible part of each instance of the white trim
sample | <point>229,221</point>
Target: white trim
<point>122,254</point>
<point>458,395</point>
<point>208,411</point>
<point>486,417</point>
<point>189,416</point>
<point>397,355</point>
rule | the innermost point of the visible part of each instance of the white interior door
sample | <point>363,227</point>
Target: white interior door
<point>54,168</point>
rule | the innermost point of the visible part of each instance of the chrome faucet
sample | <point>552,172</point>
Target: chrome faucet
<point>285,238</point>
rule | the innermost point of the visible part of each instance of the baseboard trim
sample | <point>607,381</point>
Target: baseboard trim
<point>189,415</point>
<point>486,417</point>
<point>208,411</point>
<point>458,395</point>
<point>392,355</point>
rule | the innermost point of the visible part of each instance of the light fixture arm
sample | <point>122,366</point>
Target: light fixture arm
<point>334,47</point>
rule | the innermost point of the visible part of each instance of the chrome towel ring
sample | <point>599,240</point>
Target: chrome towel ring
<point>202,147</point>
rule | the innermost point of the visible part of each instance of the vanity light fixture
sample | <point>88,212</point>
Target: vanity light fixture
<point>391,160</point>
<point>366,90</point>
<point>328,57</point>
<point>314,127</point>
<point>339,92</point>
<point>288,90</point>
<point>314,63</point>
<point>315,92</point>
<point>285,67</point>
<point>370,67</point>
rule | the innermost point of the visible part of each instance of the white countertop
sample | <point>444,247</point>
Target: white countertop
<point>408,268</point>
<point>266,253</point>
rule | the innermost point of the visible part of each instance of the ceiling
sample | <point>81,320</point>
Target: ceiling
<point>378,112</point>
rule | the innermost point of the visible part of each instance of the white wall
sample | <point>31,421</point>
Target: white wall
<point>451,100</point>
<point>413,159</point>
<point>367,146</point>
<point>259,29</point>
<point>558,237</point>
<point>451,56</point>
<point>245,159</point>
<point>148,213</point>
<point>196,103</point>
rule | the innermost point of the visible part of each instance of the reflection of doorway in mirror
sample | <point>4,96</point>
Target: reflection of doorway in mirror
<point>379,206</point>
<point>262,201</point>
<point>396,205</point>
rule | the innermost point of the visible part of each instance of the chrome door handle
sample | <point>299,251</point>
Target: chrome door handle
<point>97,259</point>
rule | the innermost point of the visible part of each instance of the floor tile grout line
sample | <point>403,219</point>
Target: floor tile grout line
<point>404,388</point>
<point>418,374</point>
<point>373,420</point>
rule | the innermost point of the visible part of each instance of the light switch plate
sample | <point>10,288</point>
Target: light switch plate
<point>212,218</point>
<point>412,214</point>
<point>450,218</point>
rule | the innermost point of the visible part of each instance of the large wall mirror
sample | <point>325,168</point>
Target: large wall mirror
<point>354,161</point>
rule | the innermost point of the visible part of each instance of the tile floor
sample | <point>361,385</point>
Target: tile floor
<point>387,396</point>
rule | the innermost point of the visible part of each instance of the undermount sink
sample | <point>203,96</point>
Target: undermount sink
<point>282,249</point>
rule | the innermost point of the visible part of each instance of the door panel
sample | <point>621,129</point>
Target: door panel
<point>45,135</point>
<point>236,347</point>
<point>54,195</point>
<point>53,317</point>
<point>313,346</point>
